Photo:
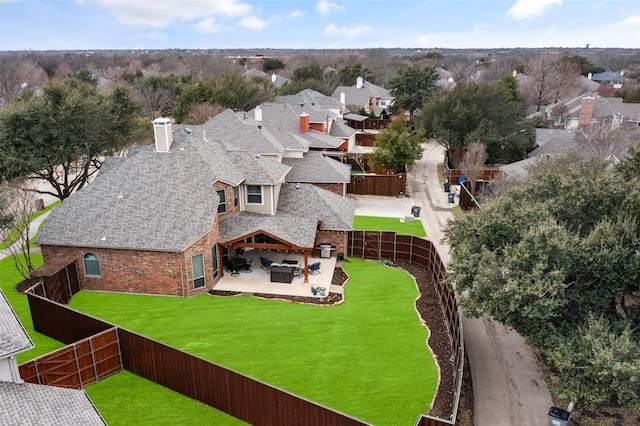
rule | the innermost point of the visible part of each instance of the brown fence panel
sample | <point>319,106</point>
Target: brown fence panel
<point>421,252</point>
<point>60,322</point>
<point>240,396</point>
<point>369,184</point>
<point>77,365</point>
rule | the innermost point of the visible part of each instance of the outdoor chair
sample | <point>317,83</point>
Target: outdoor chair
<point>247,267</point>
<point>314,268</point>
<point>266,263</point>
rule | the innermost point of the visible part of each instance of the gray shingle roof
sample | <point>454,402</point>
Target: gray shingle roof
<point>335,212</point>
<point>554,142</point>
<point>257,171</point>
<point>315,167</point>
<point>30,404</point>
<point>360,96</point>
<point>13,337</point>
<point>309,96</point>
<point>154,201</point>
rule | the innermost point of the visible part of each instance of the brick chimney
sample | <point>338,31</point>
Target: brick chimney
<point>586,111</point>
<point>304,122</point>
<point>163,134</point>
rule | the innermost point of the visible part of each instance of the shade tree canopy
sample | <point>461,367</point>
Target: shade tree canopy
<point>411,87</point>
<point>396,147</point>
<point>557,258</point>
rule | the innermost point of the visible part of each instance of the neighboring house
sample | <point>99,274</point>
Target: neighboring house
<point>366,95</point>
<point>277,80</point>
<point>31,404</point>
<point>165,219</point>
<point>608,79</point>
<point>589,108</point>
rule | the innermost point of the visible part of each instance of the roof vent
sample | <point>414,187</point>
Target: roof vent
<point>297,186</point>
<point>188,130</point>
<point>163,134</point>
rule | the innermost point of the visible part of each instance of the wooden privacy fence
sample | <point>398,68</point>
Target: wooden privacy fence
<point>78,365</point>
<point>377,245</point>
<point>59,279</point>
<point>233,393</point>
<point>373,184</point>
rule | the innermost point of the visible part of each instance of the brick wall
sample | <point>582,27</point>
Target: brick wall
<point>586,111</point>
<point>338,239</point>
<point>143,271</point>
<point>336,188</point>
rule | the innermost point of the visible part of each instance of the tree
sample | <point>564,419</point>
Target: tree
<point>584,64</point>
<point>16,233</point>
<point>555,257</point>
<point>549,80</point>
<point>411,87</point>
<point>479,113</point>
<point>395,147</point>
<point>6,216</point>
<point>604,140</point>
<point>62,135</point>
<point>473,163</point>
<point>272,64</point>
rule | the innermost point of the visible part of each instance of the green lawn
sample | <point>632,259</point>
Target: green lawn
<point>373,223</point>
<point>13,233</point>
<point>9,277</point>
<point>367,357</point>
<point>125,399</point>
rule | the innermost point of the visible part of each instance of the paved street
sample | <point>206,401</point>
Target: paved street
<point>507,384</point>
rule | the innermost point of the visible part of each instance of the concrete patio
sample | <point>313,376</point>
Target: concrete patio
<point>258,280</point>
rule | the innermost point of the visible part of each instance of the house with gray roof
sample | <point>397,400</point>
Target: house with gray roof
<point>30,404</point>
<point>165,219</point>
<point>589,108</point>
<point>371,97</point>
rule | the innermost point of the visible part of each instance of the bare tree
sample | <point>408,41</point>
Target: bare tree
<point>18,235</point>
<point>550,79</point>
<point>606,139</point>
<point>472,163</point>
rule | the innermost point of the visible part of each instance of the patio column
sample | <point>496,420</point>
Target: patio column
<point>306,266</point>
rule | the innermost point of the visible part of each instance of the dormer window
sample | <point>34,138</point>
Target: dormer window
<point>254,194</point>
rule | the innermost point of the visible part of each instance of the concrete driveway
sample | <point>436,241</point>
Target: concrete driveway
<point>507,384</point>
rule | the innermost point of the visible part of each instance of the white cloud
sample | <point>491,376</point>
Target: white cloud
<point>326,7</point>
<point>208,26</point>
<point>154,35</point>
<point>296,14</point>
<point>631,21</point>
<point>253,23</point>
<point>160,13</point>
<point>350,32</point>
<point>529,9</point>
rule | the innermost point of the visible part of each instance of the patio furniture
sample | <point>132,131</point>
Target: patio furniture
<point>281,274</point>
<point>290,262</point>
<point>236,265</point>
<point>247,267</point>
<point>314,268</point>
<point>265,263</point>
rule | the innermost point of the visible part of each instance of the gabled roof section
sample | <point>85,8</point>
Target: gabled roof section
<point>154,201</point>
<point>31,404</point>
<point>258,170</point>
<point>315,167</point>
<point>241,132</point>
<point>334,211</point>
<point>296,230</point>
<point>310,96</point>
<point>13,337</point>
<point>360,96</point>
<point>339,129</point>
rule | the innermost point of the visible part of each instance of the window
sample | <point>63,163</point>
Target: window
<point>225,254</point>
<point>197,266</point>
<point>214,255</point>
<point>236,191</point>
<point>254,194</point>
<point>222,206</point>
<point>91,265</point>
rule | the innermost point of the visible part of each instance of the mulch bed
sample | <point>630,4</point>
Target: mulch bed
<point>429,310</point>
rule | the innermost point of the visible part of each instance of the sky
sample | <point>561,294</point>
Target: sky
<point>316,24</point>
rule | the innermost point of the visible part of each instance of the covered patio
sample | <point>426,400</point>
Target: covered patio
<point>258,279</point>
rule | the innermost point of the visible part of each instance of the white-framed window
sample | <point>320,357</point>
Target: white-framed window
<point>222,206</point>
<point>254,194</point>
<point>197,267</point>
<point>91,265</point>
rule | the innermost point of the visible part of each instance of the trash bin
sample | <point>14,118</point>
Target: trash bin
<point>415,211</point>
<point>451,196</point>
<point>558,417</point>
<point>447,187</point>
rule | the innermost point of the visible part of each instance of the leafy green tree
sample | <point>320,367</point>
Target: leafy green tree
<point>584,64</point>
<point>396,148</point>
<point>411,87</point>
<point>296,86</point>
<point>479,113</point>
<point>62,135</point>
<point>272,64</point>
<point>556,258</point>
<point>347,76</point>
<point>628,95</point>
<point>6,217</point>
